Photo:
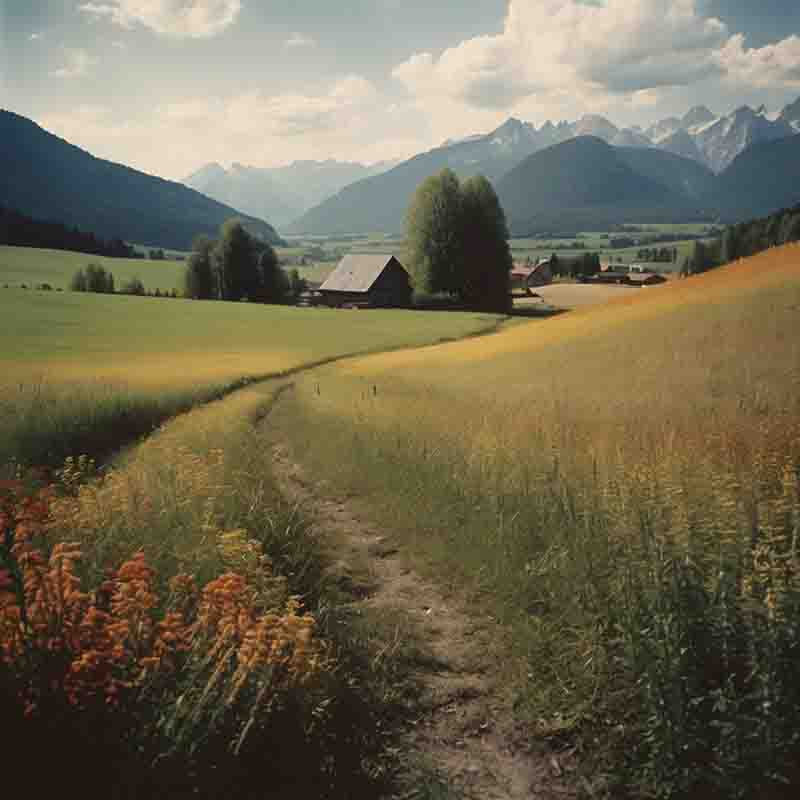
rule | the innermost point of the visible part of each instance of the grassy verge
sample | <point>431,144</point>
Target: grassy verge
<point>179,633</point>
<point>622,487</point>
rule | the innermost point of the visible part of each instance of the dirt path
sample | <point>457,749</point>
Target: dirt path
<point>464,726</point>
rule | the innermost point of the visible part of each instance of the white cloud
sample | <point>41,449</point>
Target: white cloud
<point>195,19</point>
<point>764,67</point>
<point>621,48</point>
<point>281,115</point>
<point>35,37</point>
<point>345,119</point>
<point>547,45</point>
<point>77,63</point>
<point>300,40</point>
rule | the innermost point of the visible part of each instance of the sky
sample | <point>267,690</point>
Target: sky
<point>167,86</point>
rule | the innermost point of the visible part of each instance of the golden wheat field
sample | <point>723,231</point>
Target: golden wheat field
<point>621,486</point>
<point>675,360</point>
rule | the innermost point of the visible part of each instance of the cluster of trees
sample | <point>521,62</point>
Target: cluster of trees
<point>743,240</point>
<point>238,267</point>
<point>20,230</point>
<point>665,254</point>
<point>582,266</point>
<point>101,281</point>
<point>93,279</point>
<point>457,240</point>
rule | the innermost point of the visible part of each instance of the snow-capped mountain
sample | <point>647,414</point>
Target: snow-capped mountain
<point>716,140</point>
<point>696,118</point>
<point>720,141</point>
<point>681,143</point>
<point>791,115</point>
<point>280,194</point>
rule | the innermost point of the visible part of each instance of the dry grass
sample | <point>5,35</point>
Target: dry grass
<point>623,483</point>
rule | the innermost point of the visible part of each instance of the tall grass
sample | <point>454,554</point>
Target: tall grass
<point>622,487</point>
<point>196,598</point>
<point>43,423</point>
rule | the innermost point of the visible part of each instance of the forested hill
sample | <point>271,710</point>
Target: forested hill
<point>585,182</point>
<point>48,178</point>
<point>379,203</point>
<point>19,230</point>
<point>761,180</point>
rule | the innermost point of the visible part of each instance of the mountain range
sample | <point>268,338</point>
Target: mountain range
<point>280,194</point>
<point>712,143</point>
<point>588,175</point>
<point>50,179</point>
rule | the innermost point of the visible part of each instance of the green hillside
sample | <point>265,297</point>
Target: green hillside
<point>379,203</point>
<point>49,179</point>
<point>586,184</point>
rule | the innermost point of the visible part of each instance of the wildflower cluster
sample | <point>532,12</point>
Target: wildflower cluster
<point>229,645</point>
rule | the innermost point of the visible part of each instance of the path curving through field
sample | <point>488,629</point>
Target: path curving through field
<point>463,723</point>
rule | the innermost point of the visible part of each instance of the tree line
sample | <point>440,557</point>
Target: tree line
<point>236,266</point>
<point>19,230</point>
<point>744,239</point>
<point>97,279</point>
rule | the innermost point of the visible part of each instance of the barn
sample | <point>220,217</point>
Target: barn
<point>528,277</point>
<point>368,280</point>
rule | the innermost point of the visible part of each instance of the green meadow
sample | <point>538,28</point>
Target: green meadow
<point>32,266</point>
<point>80,371</point>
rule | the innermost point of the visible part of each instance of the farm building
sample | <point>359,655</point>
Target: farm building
<point>376,281</point>
<point>645,278</point>
<point>527,277</point>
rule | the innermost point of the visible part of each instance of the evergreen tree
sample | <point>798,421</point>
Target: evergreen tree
<point>199,281</point>
<point>272,280</point>
<point>236,262</point>
<point>78,282</point>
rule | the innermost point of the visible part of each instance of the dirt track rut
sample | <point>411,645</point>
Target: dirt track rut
<point>463,723</point>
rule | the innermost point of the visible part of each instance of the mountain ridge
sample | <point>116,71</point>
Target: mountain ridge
<point>49,178</point>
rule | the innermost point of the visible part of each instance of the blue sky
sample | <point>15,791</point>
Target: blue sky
<point>168,85</point>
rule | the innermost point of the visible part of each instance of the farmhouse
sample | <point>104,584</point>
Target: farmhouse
<point>368,280</point>
<point>526,277</point>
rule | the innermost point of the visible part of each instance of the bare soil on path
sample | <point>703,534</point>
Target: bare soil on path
<point>463,724</point>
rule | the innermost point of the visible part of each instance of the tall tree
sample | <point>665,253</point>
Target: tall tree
<point>199,280</point>
<point>486,256</point>
<point>236,260</point>
<point>457,239</point>
<point>273,282</point>
<point>434,234</point>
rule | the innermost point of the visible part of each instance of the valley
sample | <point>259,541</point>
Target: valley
<point>400,401</point>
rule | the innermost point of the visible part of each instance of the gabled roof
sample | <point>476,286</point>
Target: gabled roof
<point>356,272</point>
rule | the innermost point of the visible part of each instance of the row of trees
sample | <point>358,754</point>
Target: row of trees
<point>99,280</point>
<point>457,240</point>
<point>20,230</point>
<point>93,279</point>
<point>743,240</point>
<point>582,266</point>
<point>663,254</point>
<point>238,267</point>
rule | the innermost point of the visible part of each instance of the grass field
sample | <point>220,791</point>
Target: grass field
<point>621,486</point>
<point>32,266</point>
<point>73,363</point>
